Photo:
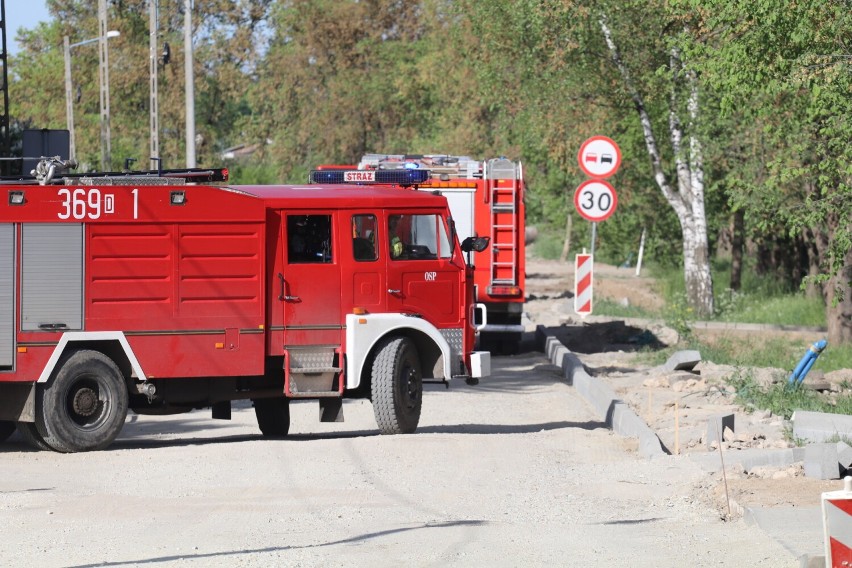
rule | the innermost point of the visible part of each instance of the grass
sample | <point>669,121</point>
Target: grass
<point>783,400</point>
<point>614,309</point>
<point>761,301</point>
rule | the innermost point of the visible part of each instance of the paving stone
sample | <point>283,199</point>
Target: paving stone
<point>822,461</point>
<point>683,361</point>
<point>821,426</point>
<point>716,427</point>
<point>844,455</point>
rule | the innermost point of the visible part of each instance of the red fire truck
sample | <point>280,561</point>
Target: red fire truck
<point>486,198</point>
<point>149,293</point>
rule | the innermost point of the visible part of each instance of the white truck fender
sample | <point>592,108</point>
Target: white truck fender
<point>76,336</point>
<point>364,331</point>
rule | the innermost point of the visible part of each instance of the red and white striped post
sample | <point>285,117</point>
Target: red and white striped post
<point>583,284</point>
<point>837,524</point>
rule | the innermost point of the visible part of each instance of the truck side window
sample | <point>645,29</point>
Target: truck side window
<point>364,237</point>
<point>417,237</point>
<point>309,239</point>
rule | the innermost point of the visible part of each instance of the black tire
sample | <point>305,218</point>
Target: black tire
<point>511,344</point>
<point>6,430</point>
<point>397,386</point>
<point>84,406</point>
<point>500,343</point>
<point>29,433</point>
<point>273,416</point>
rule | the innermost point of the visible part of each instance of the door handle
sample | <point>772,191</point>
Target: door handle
<point>283,297</point>
<point>394,292</point>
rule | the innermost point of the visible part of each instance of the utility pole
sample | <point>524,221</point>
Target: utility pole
<point>69,101</point>
<point>106,151</point>
<point>5,135</point>
<point>69,98</point>
<point>152,47</point>
<point>190,87</point>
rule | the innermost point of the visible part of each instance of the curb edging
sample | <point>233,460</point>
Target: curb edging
<point>615,413</point>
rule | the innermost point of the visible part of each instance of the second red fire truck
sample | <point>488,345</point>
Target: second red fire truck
<point>147,293</point>
<point>486,198</point>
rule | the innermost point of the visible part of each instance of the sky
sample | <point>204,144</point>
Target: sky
<point>23,14</point>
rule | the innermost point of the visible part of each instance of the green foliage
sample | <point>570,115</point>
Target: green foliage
<point>834,357</point>
<point>679,316</point>
<point>251,174</point>
<point>547,245</point>
<point>603,307</point>
<point>783,399</point>
<point>327,80</point>
<point>761,300</point>
<point>793,309</point>
<point>227,44</point>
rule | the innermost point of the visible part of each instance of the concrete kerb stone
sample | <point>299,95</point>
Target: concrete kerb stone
<point>617,414</point>
<point>824,461</point>
<point>821,426</point>
<point>716,429</point>
<point>685,360</point>
<point>748,459</point>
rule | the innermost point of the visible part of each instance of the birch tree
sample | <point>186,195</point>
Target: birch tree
<point>686,194</point>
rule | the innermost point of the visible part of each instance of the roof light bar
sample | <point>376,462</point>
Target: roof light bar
<point>359,177</point>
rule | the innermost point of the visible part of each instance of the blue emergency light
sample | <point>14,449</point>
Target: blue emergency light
<point>367,177</point>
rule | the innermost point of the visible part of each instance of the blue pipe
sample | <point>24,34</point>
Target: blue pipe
<point>807,362</point>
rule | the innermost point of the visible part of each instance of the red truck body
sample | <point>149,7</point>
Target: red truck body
<point>191,296</point>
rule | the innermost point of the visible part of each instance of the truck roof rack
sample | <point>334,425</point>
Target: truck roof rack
<point>53,171</point>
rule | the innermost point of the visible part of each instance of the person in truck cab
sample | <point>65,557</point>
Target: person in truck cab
<point>396,245</point>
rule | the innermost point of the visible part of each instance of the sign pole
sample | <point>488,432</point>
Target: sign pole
<point>641,251</point>
<point>594,238</point>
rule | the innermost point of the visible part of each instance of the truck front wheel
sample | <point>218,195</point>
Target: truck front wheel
<point>397,386</point>
<point>273,416</point>
<point>83,408</point>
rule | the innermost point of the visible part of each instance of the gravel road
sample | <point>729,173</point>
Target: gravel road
<point>514,472</point>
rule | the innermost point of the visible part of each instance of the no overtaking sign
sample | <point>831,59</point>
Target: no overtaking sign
<point>599,157</point>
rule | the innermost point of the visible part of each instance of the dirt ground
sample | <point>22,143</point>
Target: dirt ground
<point>677,405</point>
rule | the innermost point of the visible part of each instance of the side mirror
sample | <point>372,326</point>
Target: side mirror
<point>475,244</point>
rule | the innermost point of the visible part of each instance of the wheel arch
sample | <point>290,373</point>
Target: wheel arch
<point>111,344</point>
<point>364,334</point>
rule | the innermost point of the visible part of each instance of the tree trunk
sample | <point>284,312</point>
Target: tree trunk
<point>696,271</point>
<point>688,201</point>
<point>838,310</point>
<point>812,289</point>
<point>566,246</point>
<point>737,233</point>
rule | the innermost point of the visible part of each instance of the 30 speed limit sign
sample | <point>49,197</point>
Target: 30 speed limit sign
<point>595,200</point>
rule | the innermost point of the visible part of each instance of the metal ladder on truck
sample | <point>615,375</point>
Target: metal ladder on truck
<point>501,175</point>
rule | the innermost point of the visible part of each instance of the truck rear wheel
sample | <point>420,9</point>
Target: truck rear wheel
<point>500,343</point>
<point>83,408</point>
<point>29,433</point>
<point>6,430</point>
<point>273,416</point>
<point>397,386</point>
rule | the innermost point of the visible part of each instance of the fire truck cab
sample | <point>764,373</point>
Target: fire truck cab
<point>486,198</point>
<point>160,296</point>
